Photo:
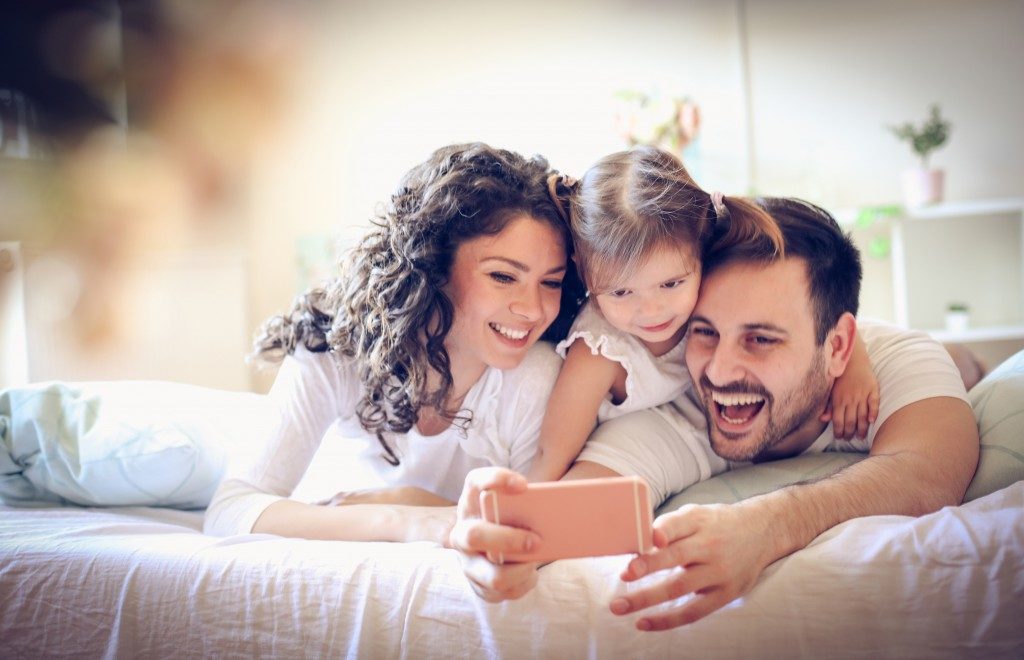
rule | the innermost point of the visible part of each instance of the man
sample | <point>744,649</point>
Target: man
<point>767,339</point>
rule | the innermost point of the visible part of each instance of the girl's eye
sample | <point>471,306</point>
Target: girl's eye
<point>502,278</point>
<point>673,284</point>
<point>619,293</point>
<point>553,284</point>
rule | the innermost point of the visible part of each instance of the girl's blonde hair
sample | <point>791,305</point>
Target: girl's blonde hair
<point>633,202</point>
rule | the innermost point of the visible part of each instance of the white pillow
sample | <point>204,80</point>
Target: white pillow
<point>998,402</point>
<point>126,443</point>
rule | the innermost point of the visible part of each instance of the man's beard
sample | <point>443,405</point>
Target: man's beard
<point>785,415</point>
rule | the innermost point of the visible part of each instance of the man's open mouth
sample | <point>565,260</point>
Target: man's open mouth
<point>737,409</point>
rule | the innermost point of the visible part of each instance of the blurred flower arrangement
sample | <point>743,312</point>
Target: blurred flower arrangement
<point>670,123</point>
<point>130,128</point>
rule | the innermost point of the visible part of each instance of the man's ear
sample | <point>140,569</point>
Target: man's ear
<point>839,344</point>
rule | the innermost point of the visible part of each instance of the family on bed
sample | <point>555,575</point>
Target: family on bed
<point>714,332</point>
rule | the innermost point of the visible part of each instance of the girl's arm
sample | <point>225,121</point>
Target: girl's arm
<point>854,402</point>
<point>583,382</point>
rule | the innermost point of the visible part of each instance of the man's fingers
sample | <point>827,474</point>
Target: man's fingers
<point>687,552</point>
<point>702,605</point>
<point>674,585</point>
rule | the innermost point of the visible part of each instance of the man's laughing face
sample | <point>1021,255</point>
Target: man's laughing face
<point>756,366</point>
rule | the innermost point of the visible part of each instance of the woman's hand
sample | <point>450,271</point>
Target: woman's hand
<point>430,523</point>
<point>475,539</point>
<point>409,495</point>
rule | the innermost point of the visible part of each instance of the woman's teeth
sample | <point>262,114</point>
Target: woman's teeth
<point>509,332</point>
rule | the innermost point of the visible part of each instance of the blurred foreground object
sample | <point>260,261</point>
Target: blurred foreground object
<point>129,132</point>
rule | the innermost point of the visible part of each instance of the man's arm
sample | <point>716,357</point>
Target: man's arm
<point>922,458</point>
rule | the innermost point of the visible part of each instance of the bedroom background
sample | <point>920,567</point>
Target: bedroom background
<point>172,173</point>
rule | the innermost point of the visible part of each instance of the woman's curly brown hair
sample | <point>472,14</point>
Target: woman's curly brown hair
<point>388,312</point>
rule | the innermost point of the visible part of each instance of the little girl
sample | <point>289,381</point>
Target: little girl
<point>641,228</point>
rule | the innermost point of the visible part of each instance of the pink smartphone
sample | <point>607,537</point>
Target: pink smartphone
<point>582,518</point>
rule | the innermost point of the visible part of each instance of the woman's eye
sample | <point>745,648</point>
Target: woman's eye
<point>553,284</point>
<point>502,278</point>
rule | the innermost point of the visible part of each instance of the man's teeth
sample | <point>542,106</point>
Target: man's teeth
<point>742,406</point>
<point>509,332</point>
<point>735,399</point>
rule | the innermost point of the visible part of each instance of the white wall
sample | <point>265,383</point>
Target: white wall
<point>827,77</point>
<point>392,80</point>
<point>388,81</point>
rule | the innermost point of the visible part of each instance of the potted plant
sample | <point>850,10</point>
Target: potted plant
<point>924,185</point>
<point>957,317</point>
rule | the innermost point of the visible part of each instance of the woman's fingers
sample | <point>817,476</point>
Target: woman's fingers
<point>497,583</point>
<point>476,536</point>
<point>489,478</point>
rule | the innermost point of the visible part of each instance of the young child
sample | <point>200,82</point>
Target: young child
<point>641,228</point>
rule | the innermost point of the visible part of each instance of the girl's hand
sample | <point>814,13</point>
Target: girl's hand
<point>409,495</point>
<point>853,405</point>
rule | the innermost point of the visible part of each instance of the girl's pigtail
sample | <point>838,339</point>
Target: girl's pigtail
<point>738,221</point>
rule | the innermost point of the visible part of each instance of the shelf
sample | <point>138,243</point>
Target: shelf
<point>989,333</point>
<point>967,208</point>
<point>847,217</point>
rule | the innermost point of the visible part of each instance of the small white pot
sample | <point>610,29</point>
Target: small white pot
<point>957,322</point>
<point>922,187</point>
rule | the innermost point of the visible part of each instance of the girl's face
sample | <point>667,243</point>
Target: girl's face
<point>506,291</point>
<point>655,301</point>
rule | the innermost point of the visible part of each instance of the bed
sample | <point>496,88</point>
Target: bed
<point>143,581</point>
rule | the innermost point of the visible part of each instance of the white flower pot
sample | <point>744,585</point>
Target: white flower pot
<point>922,187</point>
<point>957,322</point>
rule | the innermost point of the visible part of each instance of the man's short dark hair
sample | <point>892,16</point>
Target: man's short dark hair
<point>812,234</point>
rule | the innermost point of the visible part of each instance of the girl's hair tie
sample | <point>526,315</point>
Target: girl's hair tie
<point>718,204</point>
<point>556,181</point>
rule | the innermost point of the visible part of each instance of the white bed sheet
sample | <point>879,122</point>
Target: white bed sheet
<point>145,583</point>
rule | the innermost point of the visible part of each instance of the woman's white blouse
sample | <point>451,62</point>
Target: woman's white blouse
<point>314,391</point>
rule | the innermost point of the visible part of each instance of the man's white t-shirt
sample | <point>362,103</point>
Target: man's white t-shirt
<point>668,445</point>
<point>315,391</point>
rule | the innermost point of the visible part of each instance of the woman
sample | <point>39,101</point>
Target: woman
<point>424,351</point>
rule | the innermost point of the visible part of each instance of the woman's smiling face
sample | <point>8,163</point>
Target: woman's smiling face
<point>506,291</point>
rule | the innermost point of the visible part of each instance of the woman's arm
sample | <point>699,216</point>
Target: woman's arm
<point>583,383</point>
<point>357,522</point>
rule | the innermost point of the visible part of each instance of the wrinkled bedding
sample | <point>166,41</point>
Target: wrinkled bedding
<point>146,583</point>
